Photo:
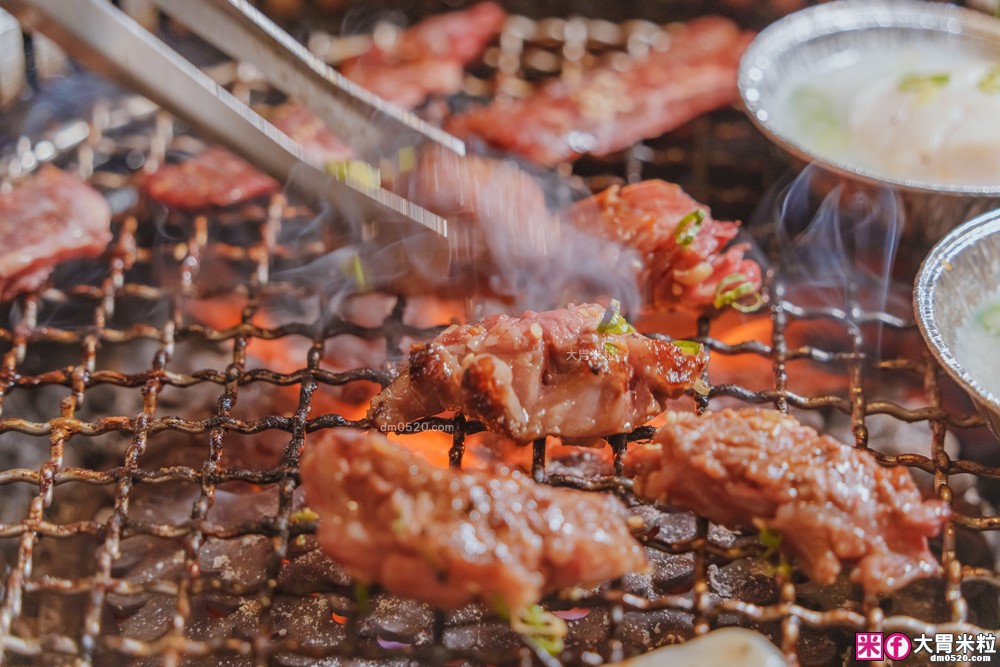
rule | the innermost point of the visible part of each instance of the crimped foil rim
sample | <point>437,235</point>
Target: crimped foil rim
<point>800,28</point>
<point>942,258</point>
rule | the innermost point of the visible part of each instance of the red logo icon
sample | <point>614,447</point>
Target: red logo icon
<point>897,646</point>
<point>868,646</point>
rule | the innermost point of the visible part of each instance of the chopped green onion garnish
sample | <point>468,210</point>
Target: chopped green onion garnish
<point>734,290</point>
<point>612,314</point>
<point>613,322</point>
<point>923,83</point>
<point>551,645</point>
<point>353,268</point>
<point>304,514</point>
<point>362,595</point>
<point>500,607</point>
<point>771,539</point>
<point>990,84</point>
<point>689,347</point>
<point>728,297</point>
<point>399,523</point>
<point>818,118</point>
<point>611,348</point>
<point>543,628</point>
<point>990,319</point>
<point>782,568</point>
<point>687,228</point>
<point>751,305</point>
<point>357,172</point>
<point>407,159</point>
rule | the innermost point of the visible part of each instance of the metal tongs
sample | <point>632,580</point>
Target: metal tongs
<point>107,40</point>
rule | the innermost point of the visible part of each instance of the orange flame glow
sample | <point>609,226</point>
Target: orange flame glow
<point>756,372</point>
<point>288,354</point>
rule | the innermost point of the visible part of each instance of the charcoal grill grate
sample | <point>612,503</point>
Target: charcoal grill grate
<point>133,278</point>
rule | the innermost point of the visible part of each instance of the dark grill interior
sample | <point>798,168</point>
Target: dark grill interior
<point>150,447</point>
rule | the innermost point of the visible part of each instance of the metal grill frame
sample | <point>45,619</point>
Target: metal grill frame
<point>108,131</point>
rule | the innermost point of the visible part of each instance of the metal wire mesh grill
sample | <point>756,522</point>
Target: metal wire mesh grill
<point>126,327</point>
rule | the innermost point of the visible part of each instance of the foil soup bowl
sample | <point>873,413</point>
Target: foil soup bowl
<point>808,44</point>
<point>954,278</point>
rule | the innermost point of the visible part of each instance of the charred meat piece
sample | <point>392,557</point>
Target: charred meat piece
<point>680,245</point>
<point>830,503</point>
<point>449,537</point>
<point>574,372</point>
<point>217,177</point>
<point>48,218</point>
<point>428,58</point>
<point>605,110</point>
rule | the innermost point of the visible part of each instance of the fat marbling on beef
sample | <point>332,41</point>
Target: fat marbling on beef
<point>830,503</point>
<point>605,109</point>
<point>427,58</point>
<point>47,218</point>
<point>573,372</point>
<point>450,537</point>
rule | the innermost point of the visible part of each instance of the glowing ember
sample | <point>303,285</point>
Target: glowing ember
<point>756,372</point>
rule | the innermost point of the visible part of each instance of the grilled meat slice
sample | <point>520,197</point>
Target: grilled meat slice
<point>830,503</point>
<point>647,240</point>
<point>428,58</point>
<point>49,217</point>
<point>216,177</point>
<point>306,128</point>
<point>605,109</point>
<point>449,537</point>
<point>682,248</point>
<point>559,372</point>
